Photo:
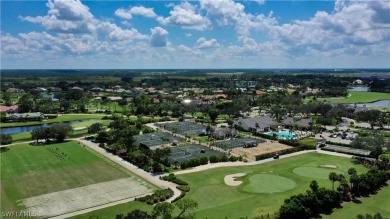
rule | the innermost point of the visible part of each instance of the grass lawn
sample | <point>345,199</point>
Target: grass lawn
<point>360,97</point>
<point>379,203</point>
<point>253,197</point>
<point>62,118</point>
<point>217,200</point>
<point>29,171</point>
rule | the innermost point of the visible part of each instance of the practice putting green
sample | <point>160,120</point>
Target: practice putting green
<point>315,172</point>
<point>268,183</point>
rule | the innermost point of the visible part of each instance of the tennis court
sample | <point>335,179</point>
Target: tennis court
<point>156,139</point>
<point>239,143</point>
<point>184,128</point>
<point>187,152</point>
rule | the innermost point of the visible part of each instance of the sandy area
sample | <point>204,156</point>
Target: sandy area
<point>329,166</point>
<point>79,128</point>
<point>70,200</point>
<point>229,179</point>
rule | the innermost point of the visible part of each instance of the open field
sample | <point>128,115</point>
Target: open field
<point>217,200</point>
<point>360,97</point>
<point>69,175</point>
<point>379,203</point>
<point>61,118</point>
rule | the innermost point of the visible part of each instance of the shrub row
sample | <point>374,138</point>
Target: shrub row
<point>158,196</point>
<point>172,178</point>
<point>264,136</point>
<point>183,188</point>
<point>194,162</point>
<point>282,152</point>
<point>338,143</point>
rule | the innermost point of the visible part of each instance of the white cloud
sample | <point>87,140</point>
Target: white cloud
<point>113,32</point>
<point>138,10</point>
<point>336,32</point>
<point>185,15</point>
<point>228,13</point>
<point>202,43</point>
<point>158,38</point>
<point>142,11</point>
<point>66,16</point>
<point>123,13</point>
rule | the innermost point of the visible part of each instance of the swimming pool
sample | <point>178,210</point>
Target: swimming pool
<point>283,134</point>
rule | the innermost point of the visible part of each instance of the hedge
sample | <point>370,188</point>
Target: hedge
<point>158,196</point>
<point>183,188</point>
<point>282,152</point>
<point>337,143</point>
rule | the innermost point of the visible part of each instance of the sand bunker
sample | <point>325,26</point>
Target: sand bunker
<point>329,166</point>
<point>79,128</point>
<point>229,179</point>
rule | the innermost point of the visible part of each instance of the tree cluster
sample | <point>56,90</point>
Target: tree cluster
<point>58,131</point>
<point>5,139</point>
<point>310,204</point>
<point>164,210</point>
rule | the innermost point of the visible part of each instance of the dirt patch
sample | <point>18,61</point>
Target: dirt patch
<point>229,179</point>
<point>329,166</point>
<point>70,200</point>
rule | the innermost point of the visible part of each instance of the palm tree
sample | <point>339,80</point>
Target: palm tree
<point>351,172</point>
<point>333,177</point>
<point>314,186</point>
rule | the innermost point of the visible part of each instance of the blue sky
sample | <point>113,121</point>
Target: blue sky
<point>67,34</point>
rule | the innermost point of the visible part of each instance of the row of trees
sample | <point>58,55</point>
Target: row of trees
<point>58,131</point>
<point>164,210</point>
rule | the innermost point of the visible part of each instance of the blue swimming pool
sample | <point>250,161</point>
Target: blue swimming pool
<point>283,134</point>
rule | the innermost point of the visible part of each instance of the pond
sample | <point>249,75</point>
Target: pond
<point>360,89</point>
<point>20,129</point>
<point>380,103</point>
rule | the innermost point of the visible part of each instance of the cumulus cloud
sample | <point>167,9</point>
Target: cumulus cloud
<point>185,16</point>
<point>138,10</point>
<point>66,16</point>
<point>339,29</point>
<point>228,13</point>
<point>158,38</point>
<point>113,32</point>
<point>202,43</point>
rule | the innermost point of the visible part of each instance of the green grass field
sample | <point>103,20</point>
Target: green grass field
<point>29,171</point>
<point>217,200</point>
<point>360,97</point>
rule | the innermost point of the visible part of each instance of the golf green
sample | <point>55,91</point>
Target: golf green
<point>315,172</point>
<point>268,183</point>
